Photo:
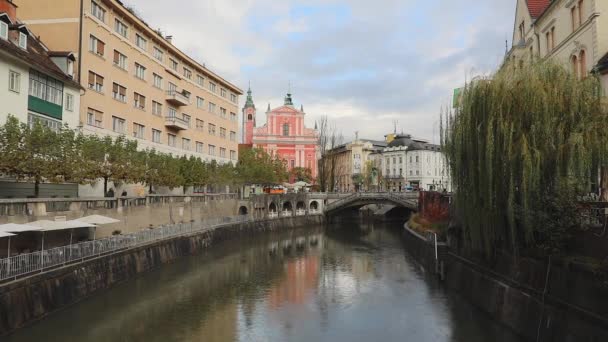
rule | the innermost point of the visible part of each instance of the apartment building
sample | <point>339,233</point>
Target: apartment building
<point>572,32</point>
<point>138,83</point>
<point>38,82</point>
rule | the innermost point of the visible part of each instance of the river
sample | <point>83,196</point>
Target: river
<point>339,283</point>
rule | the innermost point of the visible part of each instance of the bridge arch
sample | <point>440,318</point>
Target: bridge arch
<point>243,210</point>
<point>287,206</point>
<point>272,207</point>
<point>300,205</point>
<point>357,200</point>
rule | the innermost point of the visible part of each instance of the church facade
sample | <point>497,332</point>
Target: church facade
<point>284,134</point>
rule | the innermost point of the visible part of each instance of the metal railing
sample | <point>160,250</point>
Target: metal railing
<point>26,264</point>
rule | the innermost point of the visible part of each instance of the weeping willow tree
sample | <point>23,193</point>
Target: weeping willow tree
<point>522,146</point>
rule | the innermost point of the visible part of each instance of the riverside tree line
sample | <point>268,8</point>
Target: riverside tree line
<point>40,154</point>
<point>524,147</point>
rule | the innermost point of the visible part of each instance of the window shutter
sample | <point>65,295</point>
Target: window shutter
<point>123,91</point>
<point>91,77</point>
<point>116,57</point>
<point>115,88</point>
<point>100,47</point>
<point>100,80</point>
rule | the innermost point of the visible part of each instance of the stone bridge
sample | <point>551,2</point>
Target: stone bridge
<point>360,199</point>
<point>262,206</point>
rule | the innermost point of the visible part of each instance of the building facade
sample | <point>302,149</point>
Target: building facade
<point>348,165</point>
<point>39,82</point>
<point>410,163</point>
<point>284,134</point>
<point>572,32</point>
<point>138,83</point>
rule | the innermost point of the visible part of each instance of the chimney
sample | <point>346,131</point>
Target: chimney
<point>167,38</point>
<point>10,8</point>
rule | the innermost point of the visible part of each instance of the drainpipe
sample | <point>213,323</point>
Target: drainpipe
<point>80,42</point>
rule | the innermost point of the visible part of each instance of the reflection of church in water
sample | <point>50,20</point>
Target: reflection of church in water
<point>284,134</point>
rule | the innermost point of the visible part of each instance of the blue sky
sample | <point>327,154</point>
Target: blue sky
<point>363,63</point>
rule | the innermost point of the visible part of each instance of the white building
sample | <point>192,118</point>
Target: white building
<point>39,84</point>
<point>414,163</point>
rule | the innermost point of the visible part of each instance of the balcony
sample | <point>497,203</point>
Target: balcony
<point>176,123</point>
<point>177,98</point>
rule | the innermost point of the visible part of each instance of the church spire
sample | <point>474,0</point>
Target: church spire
<point>288,100</point>
<point>249,103</point>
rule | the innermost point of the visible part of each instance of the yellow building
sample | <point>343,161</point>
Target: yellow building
<point>137,82</point>
<point>572,32</point>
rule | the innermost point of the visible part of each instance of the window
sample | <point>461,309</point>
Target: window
<point>138,130</point>
<point>522,30</point>
<point>550,37</point>
<point>171,140</point>
<point>200,80</point>
<point>211,107</point>
<point>171,112</point>
<point>46,88</point>
<point>172,87</point>
<point>574,17</point>
<point>98,11</point>
<point>118,124</point>
<point>45,121</point>
<point>212,87</point>
<point>3,30</point>
<point>14,81</point>
<point>222,152</point>
<point>120,28</point>
<point>94,117</point>
<point>186,118</point>
<point>157,108</point>
<point>187,73</point>
<point>233,98</point>
<point>222,133</point>
<point>233,155</point>
<point>155,136</point>
<point>200,147</point>
<point>158,54</point>
<point>223,113</point>
<point>211,129</point>
<point>173,64</point>
<point>200,124</point>
<point>417,173</point>
<point>69,102</point>
<point>200,102</point>
<point>581,11</point>
<point>232,136</point>
<point>141,42</point>
<point>211,150</point>
<point>417,159</point>
<point>119,92</point>
<point>400,160</point>
<point>575,69</point>
<point>140,71</point>
<point>233,116</point>
<point>583,63</point>
<point>22,40</point>
<point>139,101</point>
<point>158,81</point>
<point>96,46</point>
<point>285,130</point>
<point>120,60</point>
<point>186,144</point>
<point>223,92</point>
<point>388,161</point>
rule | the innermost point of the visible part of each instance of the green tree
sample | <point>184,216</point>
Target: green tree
<point>301,174</point>
<point>521,147</point>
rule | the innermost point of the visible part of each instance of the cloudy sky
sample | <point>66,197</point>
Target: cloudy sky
<point>363,63</point>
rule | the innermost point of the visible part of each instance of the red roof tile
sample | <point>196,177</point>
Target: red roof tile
<point>537,7</point>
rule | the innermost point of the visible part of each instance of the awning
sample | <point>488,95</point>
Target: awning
<point>5,234</point>
<point>19,228</point>
<point>47,225</point>
<point>98,220</point>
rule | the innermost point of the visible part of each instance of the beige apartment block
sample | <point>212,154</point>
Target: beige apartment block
<point>139,84</point>
<point>572,32</point>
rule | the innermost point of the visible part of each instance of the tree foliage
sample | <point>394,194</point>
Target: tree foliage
<point>521,147</point>
<point>40,154</point>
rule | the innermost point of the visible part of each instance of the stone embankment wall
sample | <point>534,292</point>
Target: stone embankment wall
<point>538,302</point>
<point>27,300</point>
<point>134,213</point>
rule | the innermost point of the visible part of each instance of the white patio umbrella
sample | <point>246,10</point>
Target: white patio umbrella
<point>11,228</point>
<point>98,220</point>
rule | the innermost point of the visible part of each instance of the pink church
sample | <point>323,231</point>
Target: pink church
<point>284,134</point>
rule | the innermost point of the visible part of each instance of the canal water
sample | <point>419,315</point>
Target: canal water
<point>355,282</point>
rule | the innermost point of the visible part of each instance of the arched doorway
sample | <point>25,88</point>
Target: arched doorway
<point>243,210</point>
<point>300,208</point>
<point>314,206</point>
<point>272,207</point>
<point>287,208</point>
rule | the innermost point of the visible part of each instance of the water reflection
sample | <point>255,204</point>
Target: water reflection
<point>345,283</point>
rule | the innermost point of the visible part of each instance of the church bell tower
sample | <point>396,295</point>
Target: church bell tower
<point>248,119</point>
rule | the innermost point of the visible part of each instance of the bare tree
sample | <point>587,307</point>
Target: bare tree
<point>329,139</point>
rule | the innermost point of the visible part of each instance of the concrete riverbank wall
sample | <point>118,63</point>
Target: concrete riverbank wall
<point>30,299</point>
<point>537,301</point>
